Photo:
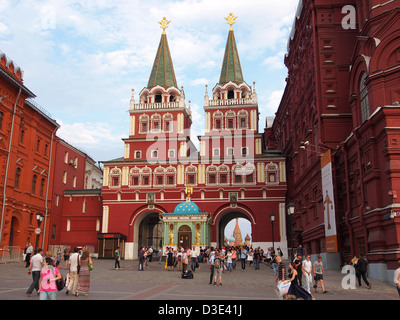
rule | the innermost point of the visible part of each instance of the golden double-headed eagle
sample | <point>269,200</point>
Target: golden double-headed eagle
<point>231,20</point>
<point>164,24</point>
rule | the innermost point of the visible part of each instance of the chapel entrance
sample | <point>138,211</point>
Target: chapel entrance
<point>185,237</point>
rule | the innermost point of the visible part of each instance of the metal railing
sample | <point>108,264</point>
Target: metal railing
<point>11,254</point>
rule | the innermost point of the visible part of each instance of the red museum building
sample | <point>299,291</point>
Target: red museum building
<point>342,96</point>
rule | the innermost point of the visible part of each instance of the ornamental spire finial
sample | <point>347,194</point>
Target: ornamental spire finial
<point>231,20</point>
<point>164,24</point>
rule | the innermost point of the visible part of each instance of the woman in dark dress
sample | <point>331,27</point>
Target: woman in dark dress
<point>296,292</point>
<point>170,260</point>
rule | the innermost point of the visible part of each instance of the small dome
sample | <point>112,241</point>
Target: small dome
<point>247,237</point>
<point>187,208</point>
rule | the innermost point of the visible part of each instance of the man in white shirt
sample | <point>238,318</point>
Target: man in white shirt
<point>73,272</point>
<point>307,272</point>
<point>28,253</point>
<point>193,259</point>
<point>35,267</point>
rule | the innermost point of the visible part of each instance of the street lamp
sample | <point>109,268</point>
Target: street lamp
<point>39,218</point>
<point>290,210</point>
<point>272,218</point>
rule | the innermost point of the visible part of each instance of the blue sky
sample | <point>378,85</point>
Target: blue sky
<point>83,58</point>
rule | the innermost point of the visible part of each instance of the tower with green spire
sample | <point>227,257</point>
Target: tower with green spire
<point>162,73</point>
<point>161,114</point>
<point>232,111</point>
<point>231,69</point>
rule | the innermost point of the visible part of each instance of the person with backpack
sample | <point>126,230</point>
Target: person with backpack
<point>211,260</point>
<point>48,277</point>
<point>218,268</point>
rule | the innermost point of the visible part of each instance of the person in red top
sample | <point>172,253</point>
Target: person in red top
<point>48,277</point>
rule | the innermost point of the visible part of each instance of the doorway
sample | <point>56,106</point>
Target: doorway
<point>185,237</point>
<point>151,232</point>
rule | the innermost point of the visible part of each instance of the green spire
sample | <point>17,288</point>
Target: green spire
<point>163,73</point>
<point>231,69</point>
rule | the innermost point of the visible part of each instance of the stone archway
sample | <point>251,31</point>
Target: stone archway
<point>151,231</point>
<point>224,220</point>
<point>145,230</point>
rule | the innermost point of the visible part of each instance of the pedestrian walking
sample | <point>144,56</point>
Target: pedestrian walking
<point>117,256</point>
<point>318,271</point>
<point>28,254</point>
<point>282,286</point>
<point>281,269</point>
<point>268,260</point>
<point>211,259</point>
<point>49,274</point>
<point>274,263</point>
<point>67,253</point>
<point>296,291</point>
<point>185,261</point>
<point>193,259</point>
<point>160,255</point>
<point>35,267</point>
<point>243,257</point>
<point>234,258</point>
<point>170,260</point>
<point>299,266</point>
<point>84,274</point>
<point>142,258</point>
<point>360,265</point>
<point>250,257</point>
<point>74,265</point>
<point>229,261</point>
<point>59,258</point>
<point>307,272</point>
<point>257,258</point>
<point>396,277</point>
<point>218,268</point>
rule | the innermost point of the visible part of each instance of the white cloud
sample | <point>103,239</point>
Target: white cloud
<point>275,62</point>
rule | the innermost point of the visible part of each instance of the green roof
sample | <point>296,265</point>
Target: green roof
<point>163,73</point>
<point>231,69</point>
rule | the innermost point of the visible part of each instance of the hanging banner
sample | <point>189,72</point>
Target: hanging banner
<point>328,203</point>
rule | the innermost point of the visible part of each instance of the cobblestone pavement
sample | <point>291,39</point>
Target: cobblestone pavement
<point>156,283</point>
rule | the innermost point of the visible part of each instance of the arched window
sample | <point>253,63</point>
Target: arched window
<point>156,123</point>
<point>34,183</point>
<point>230,120</point>
<point>144,123</point>
<point>218,118</point>
<point>158,97</point>
<point>115,177</point>
<point>17,177</point>
<point>42,182</point>
<point>364,104</point>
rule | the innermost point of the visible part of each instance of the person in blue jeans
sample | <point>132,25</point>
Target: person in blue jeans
<point>274,264</point>
<point>243,257</point>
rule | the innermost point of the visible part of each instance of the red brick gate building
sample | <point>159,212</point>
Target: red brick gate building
<point>232,175</point>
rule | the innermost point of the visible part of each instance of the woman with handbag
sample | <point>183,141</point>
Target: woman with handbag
<point>48,277</point>
<point>84,274</point>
